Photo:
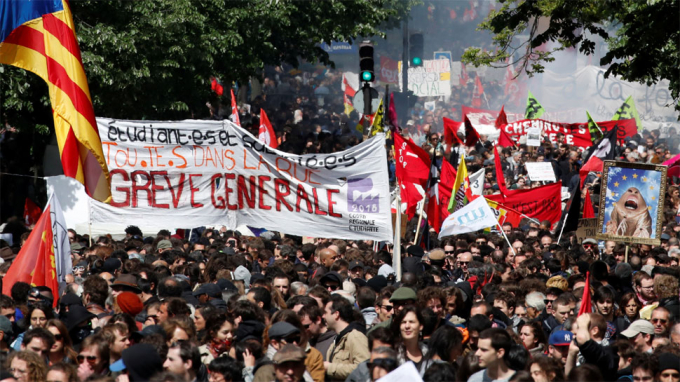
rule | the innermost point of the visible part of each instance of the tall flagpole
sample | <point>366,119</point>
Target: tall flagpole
<point>396,250</point>
<point>506,238</point>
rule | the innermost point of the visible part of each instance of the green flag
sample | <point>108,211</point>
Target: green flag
<point>534,109</point>
<point>595,131</point>
<point>628,111</point>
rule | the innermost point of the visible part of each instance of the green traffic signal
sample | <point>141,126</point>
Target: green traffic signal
<point>367,76</point>
<point>417,61</point>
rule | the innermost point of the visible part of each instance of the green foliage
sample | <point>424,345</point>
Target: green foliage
<point>153,59</point>
<point>642,36</point>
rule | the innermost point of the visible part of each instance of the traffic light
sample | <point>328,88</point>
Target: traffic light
<point>366,64</point>
<point>416,47</point>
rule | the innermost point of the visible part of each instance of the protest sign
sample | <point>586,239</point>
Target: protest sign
<point>200,173</point>
<point>389,70</point>
<point>540,172</point>
<point>587,228</point>
<point>432,79</point>
<point>534,137</point>
<point>631,202</point>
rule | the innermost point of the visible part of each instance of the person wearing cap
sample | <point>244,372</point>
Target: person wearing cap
<point>640,334</point>
<point>207,292</point>
<point>289,364</point>
<point>356,269</point>
<point>163,245</point>
<point>558,345</point>
<point>669,368</point>
<point>590,247</point>
<point>351,345</point>
<point>139,363</point>
<point>400,298</point>
<point>125,283</point>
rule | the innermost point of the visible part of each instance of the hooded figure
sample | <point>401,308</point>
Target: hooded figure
<point>630,216</point>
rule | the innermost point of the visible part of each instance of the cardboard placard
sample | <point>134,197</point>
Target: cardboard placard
<point>540,172</point>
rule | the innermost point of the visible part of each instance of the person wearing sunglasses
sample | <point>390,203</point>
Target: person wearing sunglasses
<point>661,319</point>
<point>93,358</point>
<point>590,246</point>
<point>332,281</point>
<point>62,350</point>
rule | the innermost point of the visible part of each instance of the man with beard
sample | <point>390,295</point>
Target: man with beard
<point>630,216</point>
<point>644,287</point>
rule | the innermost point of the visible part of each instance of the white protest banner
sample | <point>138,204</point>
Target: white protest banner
<point>477,182</point>
<point>540,172</point>
<point>194,173</point>
<point>60,241</point>
<point>432,79</point>
<point>534,136</point>
<point>474,216</point>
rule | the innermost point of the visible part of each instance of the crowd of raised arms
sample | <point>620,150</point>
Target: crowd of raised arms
<point>222,306</point>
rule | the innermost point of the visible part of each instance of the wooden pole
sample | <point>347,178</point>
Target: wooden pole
<point>396,251</point>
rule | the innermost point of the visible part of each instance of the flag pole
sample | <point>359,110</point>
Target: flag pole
<point>559,238</point>
<point>420,219</point>
<point>396,250</point>
<point>506,238</point>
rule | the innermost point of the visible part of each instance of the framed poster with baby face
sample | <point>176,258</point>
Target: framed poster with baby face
<point>631,202</point>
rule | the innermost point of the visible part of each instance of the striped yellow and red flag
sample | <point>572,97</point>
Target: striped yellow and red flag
<point>39,36</point>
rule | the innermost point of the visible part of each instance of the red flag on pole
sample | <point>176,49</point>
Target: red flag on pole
<point>31,212</point>
<point>500,178</point>
<point>234,109</point>
<point>35,263</point>
<point>464,78</point>
<point>594,164</point>
<point>502,118</point>
<point>392,113</point>
<point>477,93</point>
<point>471,135</point>
<point>411,196</point>
<point>586,304</point>
<point>413,163</point>
<point>588,211</point>
<point>266,132</point>
<point>451,128</point>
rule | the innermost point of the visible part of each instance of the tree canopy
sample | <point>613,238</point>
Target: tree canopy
<point>642,36</point>
<point>153,59</point>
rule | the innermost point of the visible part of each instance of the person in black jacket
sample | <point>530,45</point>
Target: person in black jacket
<point>593,353</point>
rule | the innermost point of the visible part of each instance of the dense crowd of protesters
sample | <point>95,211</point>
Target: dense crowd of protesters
<point>223,306</point>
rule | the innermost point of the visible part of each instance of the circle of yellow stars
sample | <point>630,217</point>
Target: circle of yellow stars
<point>635,176</point>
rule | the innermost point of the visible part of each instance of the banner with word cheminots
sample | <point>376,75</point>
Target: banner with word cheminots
<point>185,174</point>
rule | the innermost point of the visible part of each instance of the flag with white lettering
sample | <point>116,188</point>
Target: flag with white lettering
<point>473,217</point>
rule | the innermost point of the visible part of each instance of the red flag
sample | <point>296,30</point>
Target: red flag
<point>411,196</point>
<point>433,210</point>
<point>413,163</point>
<point>451,128</point>
<point>266,133</point>
<point>216,86</point>
<point>502,118</point>
<point>586,304</point>
<point>35,263</point>
<point>594,164</point>
<point>471,135</point>
<point>542,203</point>
<point>31,212</point>
<point>505,214</point>
<point>446,181</point>
<point>500,178</point>
<point>234,109</point>
<point>588,211</point>
<point>504,140</point>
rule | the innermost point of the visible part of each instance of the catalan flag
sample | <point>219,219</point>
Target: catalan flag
<point>39,36</point>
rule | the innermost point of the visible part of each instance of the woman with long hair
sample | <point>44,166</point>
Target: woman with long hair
<point>629,311</point>
<point>62,350</point>
<point>533,339</point>
<point>201,316</point>
<point>409,324</point>
<point>37,317</point>
<point>219,333</point>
